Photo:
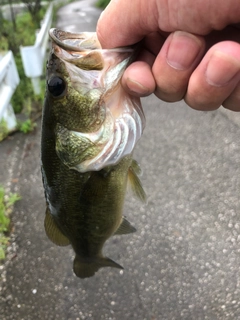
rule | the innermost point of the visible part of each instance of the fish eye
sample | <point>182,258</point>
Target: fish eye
<point>56,86</point>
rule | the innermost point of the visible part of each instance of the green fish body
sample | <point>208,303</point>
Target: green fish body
<point>89,129</point>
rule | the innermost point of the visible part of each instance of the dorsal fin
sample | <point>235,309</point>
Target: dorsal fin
<point>53,232</point>
<point>125,227</point>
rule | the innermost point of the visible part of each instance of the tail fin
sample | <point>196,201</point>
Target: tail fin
<point>86,269</point>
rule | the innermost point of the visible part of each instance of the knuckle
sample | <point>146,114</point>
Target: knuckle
<point>171,92</point>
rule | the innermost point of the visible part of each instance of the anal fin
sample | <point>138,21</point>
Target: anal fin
<point>125,227</point>
<point>53,232</point>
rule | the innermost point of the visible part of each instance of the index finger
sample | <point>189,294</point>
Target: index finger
<point>125,22</point>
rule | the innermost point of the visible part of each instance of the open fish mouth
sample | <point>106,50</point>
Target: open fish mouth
<point>92,68</point>
<point>74,41</point>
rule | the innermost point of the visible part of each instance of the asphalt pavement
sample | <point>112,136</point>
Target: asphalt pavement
<point>183,261</point>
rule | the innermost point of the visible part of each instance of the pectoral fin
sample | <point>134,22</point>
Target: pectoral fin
<point>125,228</point>
<point>53,232</point>
<point>136,167</point>
<point>135,182</point>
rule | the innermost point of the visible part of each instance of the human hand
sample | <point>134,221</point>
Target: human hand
<point>190,49</point>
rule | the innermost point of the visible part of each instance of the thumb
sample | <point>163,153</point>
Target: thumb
<point>125,22</point>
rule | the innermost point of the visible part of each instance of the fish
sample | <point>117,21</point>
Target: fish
<point>90,127</point>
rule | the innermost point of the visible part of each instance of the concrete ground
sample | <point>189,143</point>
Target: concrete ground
<point>182,263</point>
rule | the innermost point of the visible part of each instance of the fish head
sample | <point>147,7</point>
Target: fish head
<point>96,122</point>
<point>74,106</point>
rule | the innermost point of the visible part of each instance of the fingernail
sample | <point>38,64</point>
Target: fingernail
<point>221,69</point>
<point>137,87</point>
<point>183,50</point>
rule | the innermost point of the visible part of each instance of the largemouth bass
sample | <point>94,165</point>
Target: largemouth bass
<point>89,129</point>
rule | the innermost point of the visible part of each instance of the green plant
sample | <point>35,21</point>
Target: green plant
<point>24,91</point>
<point>26,126</point>
<point>25,24</point>
<point>3,129</point>
<point>3,244</point>
<point>13,197</point>
<point>6,207</point>
<point>102,3</point>
<point>27,35</point>
<point>4,220</point>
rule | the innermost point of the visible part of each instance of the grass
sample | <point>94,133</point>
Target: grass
<point>102,3</point>
<point>3,129</point>
<point>6,207</point>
